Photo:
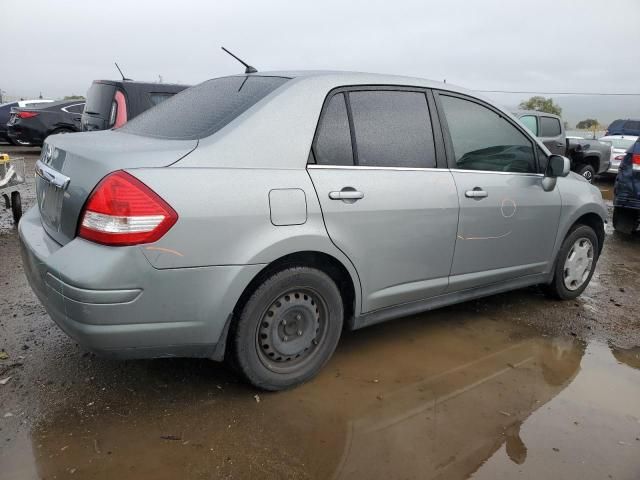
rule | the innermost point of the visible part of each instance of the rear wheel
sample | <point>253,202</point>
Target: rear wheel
<point>16,206</point>
<point>288,328</point>
<point>575,263</point>
<point>588,172</point>
<point>625,220</point>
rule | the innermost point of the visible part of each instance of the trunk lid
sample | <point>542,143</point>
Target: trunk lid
<point>70,166</point>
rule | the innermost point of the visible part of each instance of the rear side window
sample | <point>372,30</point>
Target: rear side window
<point>484,140</point>
<point>632,125</point>
<point>77,108</point>
<point>333,142</point>
<point>531,123</point>
<point>392,129</point>
<point>550,127</point>
<point>200,111</point>
<point>157,98</point>
<point>99,98</point>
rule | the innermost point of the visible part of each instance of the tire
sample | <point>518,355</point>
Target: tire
<point>569,281</point>
<point>625,220</point>
<point>287,329</point>
<point>588,172</point>
<point>16,207</point>
<point>61,130</point>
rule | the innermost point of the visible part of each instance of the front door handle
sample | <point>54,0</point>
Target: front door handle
<point>346,194</point>
<point>476,193</point>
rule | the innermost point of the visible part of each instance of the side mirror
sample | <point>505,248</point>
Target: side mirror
<point>558,166</point>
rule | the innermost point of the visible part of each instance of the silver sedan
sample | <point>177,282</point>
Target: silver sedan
<point>253,217</point>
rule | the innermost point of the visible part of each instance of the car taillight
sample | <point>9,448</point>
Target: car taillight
<point>635,161</point>
<point>122,210</point>
<point>26,114</point>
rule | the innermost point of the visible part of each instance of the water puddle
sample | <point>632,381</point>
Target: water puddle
<point>424,397</point>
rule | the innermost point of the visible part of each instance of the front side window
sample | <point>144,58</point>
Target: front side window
<point>550,127</point>
<point>531,123</point>
<point>392,129</point>
<point>484,140</point>
<point>333,142</point>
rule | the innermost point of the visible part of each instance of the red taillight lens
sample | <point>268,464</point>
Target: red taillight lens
<point>26,114</point>
<point>635,161</point>
<point>122,210</point>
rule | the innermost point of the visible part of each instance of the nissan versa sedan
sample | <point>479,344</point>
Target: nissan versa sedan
<point>253,217</point>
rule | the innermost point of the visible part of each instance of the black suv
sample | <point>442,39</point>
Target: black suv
<point>111,103</point>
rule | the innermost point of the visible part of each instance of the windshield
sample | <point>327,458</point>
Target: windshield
<point>200,111</point>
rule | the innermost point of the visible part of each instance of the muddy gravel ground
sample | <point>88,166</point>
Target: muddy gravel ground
<point>515,385</point>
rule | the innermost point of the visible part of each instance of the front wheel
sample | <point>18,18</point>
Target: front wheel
<point>575,263</point>
<point>588,172</point>
<point>288,328</point>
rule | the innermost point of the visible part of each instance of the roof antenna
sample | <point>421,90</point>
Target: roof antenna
<point>248,68</point>
<point>122,74</point>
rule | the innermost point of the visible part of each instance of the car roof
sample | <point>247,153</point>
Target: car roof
<point>519,113</point>
<point>347,78</point>
<point>120,83</point>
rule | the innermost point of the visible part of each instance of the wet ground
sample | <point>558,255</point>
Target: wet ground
<point>515,385</point>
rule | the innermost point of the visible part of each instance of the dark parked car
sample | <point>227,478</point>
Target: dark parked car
<point>32,125</point>
<point>111,103</point>
<point>5,112</point>
<point>626,200</point>
<point>624,127</point>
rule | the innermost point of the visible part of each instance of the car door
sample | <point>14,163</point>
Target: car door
<point>385,203</point>
<point>551,134</point>
<point>508,222</point>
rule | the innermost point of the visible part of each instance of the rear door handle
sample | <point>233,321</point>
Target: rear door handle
<point>476,193</point>
<point>560,144</point>
<point>345,194</point>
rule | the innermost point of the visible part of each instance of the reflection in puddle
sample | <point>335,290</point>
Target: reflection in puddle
<point>417,398</point>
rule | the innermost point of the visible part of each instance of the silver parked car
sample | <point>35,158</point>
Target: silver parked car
<point>253,217</point>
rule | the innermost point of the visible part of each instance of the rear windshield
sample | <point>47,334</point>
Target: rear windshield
<point>99,98</point>
<point>623,143</point>
<point>200,111</point>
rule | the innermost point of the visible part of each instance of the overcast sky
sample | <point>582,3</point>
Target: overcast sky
<point>59,47</point>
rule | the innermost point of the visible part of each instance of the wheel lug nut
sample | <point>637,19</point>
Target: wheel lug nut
<point>298,317</point>
<point>285,338</point>
<point>299,333</point>
<point>284,322</point>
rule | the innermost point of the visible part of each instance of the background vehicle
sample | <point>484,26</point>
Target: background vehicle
<point>111,103</point>
<point>626,199</point>
<point>624,127</point>
<point>32,125</point>
<point>5,112</point>
<point>619,146</point>
<point>588,157</point>
<point>294,230</point>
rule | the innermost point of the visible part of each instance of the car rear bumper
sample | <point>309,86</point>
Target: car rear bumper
<point>24,134</point>
<point>112,301</point>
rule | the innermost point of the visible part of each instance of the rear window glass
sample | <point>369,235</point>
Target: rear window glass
<point>99,98</point>
<point>620,142</point>
<point>200,111</point>
<point>157,98</point>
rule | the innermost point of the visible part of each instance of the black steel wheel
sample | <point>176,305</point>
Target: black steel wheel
<point>288,328</point>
